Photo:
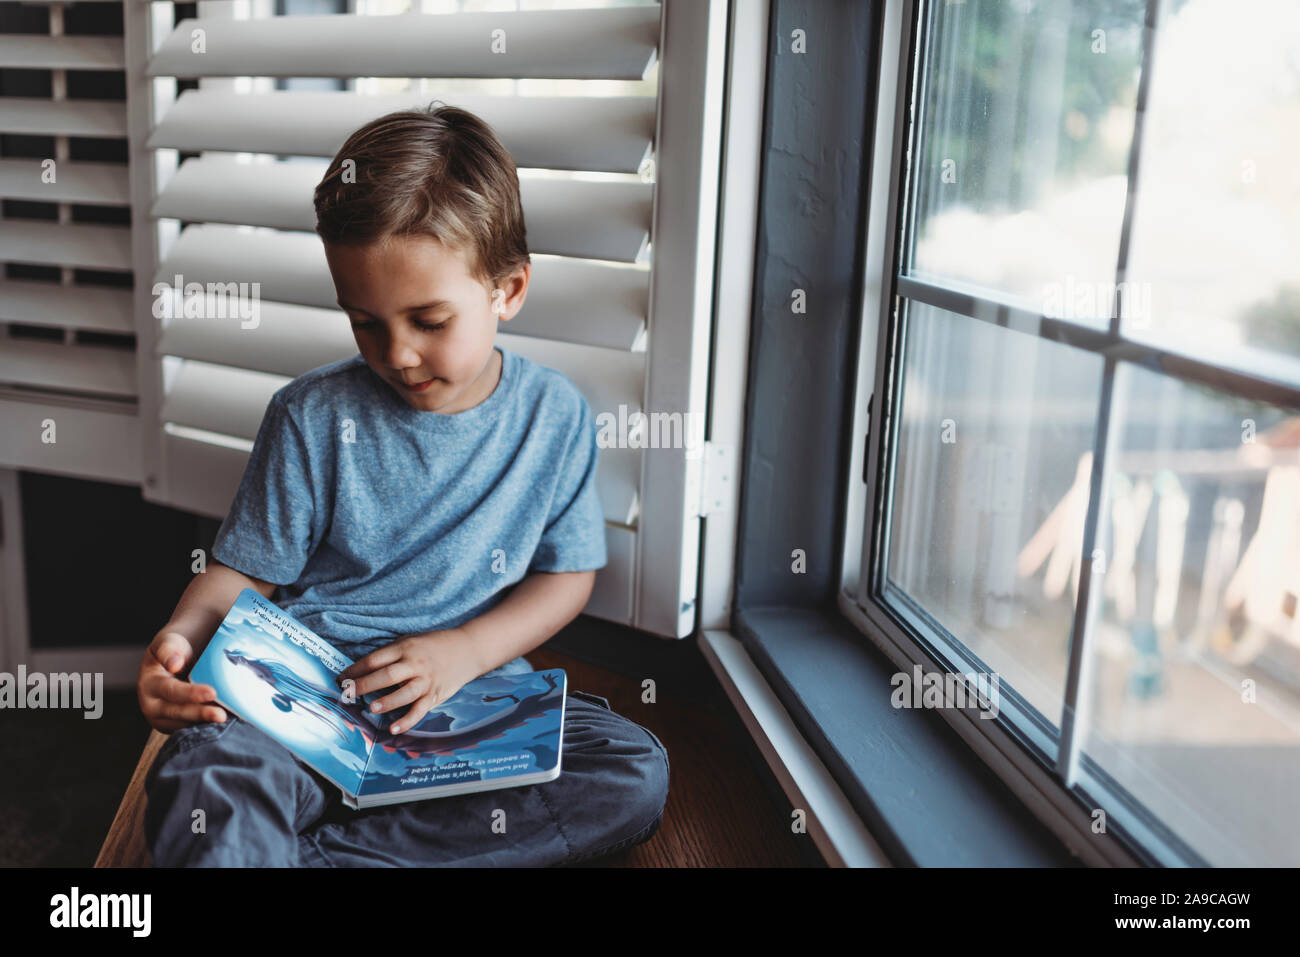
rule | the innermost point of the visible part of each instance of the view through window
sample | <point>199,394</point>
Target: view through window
<point>1100,305</point>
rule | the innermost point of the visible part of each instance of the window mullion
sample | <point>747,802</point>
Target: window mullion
<point>1134,163</point>
<point>1078,684</point>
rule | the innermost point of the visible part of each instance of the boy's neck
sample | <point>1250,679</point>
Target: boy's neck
<point>493,376</point>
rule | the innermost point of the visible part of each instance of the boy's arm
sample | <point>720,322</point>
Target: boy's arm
<point>167,701</point>
<point>539,606</point>
<point>207,599</point>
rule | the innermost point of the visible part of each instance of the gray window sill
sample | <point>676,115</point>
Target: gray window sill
<point>927,799</point>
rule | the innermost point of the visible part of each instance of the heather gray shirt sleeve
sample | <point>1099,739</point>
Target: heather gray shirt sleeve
<point>273,525</point>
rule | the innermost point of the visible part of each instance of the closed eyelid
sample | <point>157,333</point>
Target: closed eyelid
<point>417,318</point>
<point>440,305</point>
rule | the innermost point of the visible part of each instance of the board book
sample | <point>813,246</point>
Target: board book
<point>498,731</point>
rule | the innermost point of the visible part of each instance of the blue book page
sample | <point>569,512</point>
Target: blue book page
<point>278,675</point>
<point>494,727</point>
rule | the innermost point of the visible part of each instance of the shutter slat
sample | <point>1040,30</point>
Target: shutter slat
<point>65,244</point>
<point>611,599</point>
<point>220,398</point>
<point>288,340</point>
<point>583,302</point>
<point>98,442</point>
<point>27,52</point>
<point>610,134</point>
<point>36,116</point>
<point>571,300</point>
<point>607,377</point>
<point>209,473</point>
<point>588,220</point>
<point>73,368</point>
<point>74,182</point>
<point>613,44</point>
<point>81,307</point>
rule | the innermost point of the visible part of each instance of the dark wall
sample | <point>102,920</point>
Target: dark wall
<point>104,567</point>
<point>819,114</point>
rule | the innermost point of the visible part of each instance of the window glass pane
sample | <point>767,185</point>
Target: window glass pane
<point>1194,694</point>
<point>1216,226</point>
<point>996,427</point>
<point>1026,126</point>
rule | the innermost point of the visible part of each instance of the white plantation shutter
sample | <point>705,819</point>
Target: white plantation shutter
<point>67,365</point>
<point>627,323</point>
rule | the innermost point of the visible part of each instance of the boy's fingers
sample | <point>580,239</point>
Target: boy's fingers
<point>186,703</point>
<point>173,689</point>
<point>198,694</point>
<point>172,652</point>
<point>383,678</point>
<point>407,693</point>
<point>415,715</point>
<point>376,659</point>
<point>189,713</point>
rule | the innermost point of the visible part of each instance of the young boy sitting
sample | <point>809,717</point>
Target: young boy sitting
<point>430,507</point>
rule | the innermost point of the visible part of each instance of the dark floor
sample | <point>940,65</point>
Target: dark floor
<point>64,775</point>
<point>63,778</point>
<point>720,812</point>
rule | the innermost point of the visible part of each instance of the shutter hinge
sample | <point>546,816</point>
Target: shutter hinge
<point>709,480</point>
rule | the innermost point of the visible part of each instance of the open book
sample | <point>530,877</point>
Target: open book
<point>273,672</point>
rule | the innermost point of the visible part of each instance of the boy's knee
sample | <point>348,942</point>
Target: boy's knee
<point>180,742</point>
<point>655,772</point>
<point>227,780</point>
<point>637,795</point>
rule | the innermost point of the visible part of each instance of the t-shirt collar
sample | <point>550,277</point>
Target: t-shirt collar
<point>476,417</point>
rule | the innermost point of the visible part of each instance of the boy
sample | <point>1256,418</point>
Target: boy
<point>430,507</point>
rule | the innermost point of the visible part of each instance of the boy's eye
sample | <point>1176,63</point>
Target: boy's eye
<point>422,325</point>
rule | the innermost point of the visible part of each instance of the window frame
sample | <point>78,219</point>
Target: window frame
<point>1016,744</point>
<point>924,795</point>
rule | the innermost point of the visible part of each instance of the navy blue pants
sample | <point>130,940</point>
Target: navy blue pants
<point>263,807</point>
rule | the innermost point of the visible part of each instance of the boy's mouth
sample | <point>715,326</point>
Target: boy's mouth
<point>417,388</point>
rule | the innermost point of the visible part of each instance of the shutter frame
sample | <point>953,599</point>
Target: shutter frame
<point>658,300</point>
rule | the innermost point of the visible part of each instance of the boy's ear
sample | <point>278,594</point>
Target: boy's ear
<point>514,288</point>
<point>499,304</point>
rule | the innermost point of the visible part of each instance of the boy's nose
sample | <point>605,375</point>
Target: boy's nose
<point>398,354</point>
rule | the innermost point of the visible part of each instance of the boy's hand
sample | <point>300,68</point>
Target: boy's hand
<point>168,702</point>
<point>430,667</point>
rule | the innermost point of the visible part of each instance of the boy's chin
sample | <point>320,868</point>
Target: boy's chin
<point>420,399</point>
<point>432,399</point>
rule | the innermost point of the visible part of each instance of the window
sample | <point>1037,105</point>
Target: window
<point>1084,477</point>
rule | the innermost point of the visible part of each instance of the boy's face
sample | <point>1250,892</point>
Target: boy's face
<point>419,317</point>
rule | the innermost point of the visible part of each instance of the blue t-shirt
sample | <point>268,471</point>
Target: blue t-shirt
<point>380,520</point>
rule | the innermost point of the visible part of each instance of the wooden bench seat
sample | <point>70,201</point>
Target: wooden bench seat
<point>124,846</point>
